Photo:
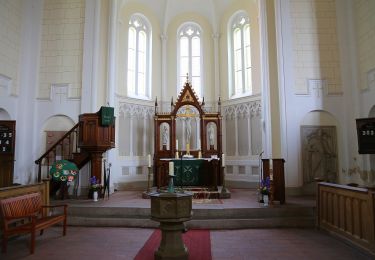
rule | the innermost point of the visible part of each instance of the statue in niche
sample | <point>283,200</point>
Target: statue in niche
<point>165,135</point>
<point>188,130</point>
<point>211,135</point>
<point>319,150</point>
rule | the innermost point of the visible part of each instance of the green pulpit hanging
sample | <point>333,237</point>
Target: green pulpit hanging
<point>107,116</point>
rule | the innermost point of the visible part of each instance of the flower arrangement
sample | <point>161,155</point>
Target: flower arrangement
<point>265,186</point>
<point>94,184</point>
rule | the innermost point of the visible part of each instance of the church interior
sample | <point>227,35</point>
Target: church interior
<point>221,99</point>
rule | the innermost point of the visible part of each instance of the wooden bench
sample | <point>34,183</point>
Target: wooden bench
<point>26,214</point>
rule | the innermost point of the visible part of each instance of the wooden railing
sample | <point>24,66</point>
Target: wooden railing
<point>348,212</point>
<point>63,149</point>
<point>42,187</point>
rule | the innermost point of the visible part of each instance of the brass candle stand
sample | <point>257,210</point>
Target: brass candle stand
<point>148,178</point>
<point>146,194</point>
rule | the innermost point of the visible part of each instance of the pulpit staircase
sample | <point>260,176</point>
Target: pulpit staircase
<point>85,142</point>
<point>66,148</point>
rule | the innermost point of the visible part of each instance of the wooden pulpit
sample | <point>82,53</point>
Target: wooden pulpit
<point>97,135</point>
<point>278,178</point>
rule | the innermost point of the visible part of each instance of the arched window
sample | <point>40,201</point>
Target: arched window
<point>189,57</point>
<point>240,81</point>
<point>139,57</point>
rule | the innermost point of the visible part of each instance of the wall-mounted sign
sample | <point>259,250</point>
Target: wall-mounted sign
<point>6,139</point>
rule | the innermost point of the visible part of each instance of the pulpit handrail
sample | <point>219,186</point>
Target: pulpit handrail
<point>53,148</point>
<point>57,143</point>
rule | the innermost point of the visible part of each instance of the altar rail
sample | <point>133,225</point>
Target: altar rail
<point>348,212</point>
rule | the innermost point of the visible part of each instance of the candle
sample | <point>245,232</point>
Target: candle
<point>271,166</point>
<point>171,169</point>
<point>223,160</point>
<point>199,144</point>
<point>149,160</point>
<point>176,144</point>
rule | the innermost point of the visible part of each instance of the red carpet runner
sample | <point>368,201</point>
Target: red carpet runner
<point>198,243</point>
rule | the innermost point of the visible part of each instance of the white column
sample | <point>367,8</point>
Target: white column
<point>111,81</point>
<point>216,37</point>
<point>266,113</point>
<point>236,131</point>
<point>163,39</point>
<point>144,135</point>
<point>112,54</point>
<point>26,126</point>
<point>90,57</point>
<point>131,134</point>
<point>249,153</point>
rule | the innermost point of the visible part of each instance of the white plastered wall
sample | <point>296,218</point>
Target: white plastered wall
<point>62,46</point>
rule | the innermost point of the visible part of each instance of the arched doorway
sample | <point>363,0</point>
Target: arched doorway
<point>319,148</point>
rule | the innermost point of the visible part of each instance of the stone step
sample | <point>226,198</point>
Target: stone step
<point>290,222</point>
<point>226,218</point>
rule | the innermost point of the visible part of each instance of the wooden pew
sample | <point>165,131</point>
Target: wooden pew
<point>26,214</point>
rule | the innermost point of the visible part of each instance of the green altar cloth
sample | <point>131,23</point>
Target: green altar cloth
<point>188,172</point>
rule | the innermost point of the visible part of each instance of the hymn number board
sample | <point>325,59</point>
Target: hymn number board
<point>6,138</point>
<point>7,150</point>
<point>366,135</point>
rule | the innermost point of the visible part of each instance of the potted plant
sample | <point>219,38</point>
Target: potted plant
<point>95,188</point>
<point>265,190</point>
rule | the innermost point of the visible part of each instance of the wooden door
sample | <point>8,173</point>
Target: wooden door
<point>7,151</point>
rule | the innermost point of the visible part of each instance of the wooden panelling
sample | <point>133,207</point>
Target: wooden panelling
<point>348,212</point>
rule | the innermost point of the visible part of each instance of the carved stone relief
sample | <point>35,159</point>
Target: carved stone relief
<point>319,153</point>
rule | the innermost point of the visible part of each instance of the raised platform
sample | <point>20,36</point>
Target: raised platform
<point>128,209</point>
<point>197,192</point>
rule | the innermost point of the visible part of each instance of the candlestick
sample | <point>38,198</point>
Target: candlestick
<point>171,169</point>
<point>149,160</point>
<point>223,160</point>
<point>148,179</point>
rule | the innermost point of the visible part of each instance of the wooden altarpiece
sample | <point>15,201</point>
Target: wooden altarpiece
<point>202,161</point>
